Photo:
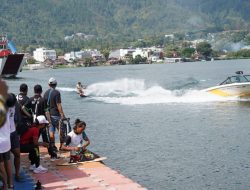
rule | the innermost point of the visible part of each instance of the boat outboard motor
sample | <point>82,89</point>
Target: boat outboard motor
<point>11,47</point>
<point>239,72</point>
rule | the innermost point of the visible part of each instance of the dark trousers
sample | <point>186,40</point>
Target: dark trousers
<point>45,134</point>
<point>33,151</point>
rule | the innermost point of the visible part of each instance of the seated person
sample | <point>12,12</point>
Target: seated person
<point>29,144</point>
<point>237,79</point>
<point>74,141</point>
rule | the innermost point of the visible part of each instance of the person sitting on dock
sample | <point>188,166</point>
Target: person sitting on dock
<point>74,141</point>
<point>29,144</point>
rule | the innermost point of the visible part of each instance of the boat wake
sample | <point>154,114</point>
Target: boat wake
<point>66,89</point>
<point>135,91</point>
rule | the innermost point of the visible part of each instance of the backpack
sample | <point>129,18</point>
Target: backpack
<point>18,110</point>
<point>64,128</point>
<point>22,124</point>
<point>34,114</point>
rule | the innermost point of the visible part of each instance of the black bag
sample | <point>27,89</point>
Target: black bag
<point>64,129</point>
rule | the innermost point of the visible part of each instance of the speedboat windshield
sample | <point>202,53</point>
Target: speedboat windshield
<point>236,79</point>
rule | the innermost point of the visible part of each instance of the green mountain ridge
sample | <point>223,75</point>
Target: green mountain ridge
<point>47,22</point>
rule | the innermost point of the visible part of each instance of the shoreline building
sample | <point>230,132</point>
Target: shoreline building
<point>41,54</point>
<point>88,53</point>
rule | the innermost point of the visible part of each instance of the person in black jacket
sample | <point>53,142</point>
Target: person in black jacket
<point>21,119</point>
<point>21,122</point>
<point>35,107</point>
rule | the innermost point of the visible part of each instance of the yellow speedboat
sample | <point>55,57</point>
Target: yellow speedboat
<point>233,86</point>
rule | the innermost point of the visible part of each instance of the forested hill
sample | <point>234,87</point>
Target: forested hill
<point>49,21</point>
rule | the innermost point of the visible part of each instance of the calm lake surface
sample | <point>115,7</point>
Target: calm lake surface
<point>154,124</point>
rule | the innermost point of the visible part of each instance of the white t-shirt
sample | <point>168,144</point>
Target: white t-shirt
<point>5,136</point>
<point>75,140</point>
<point>11,114</point>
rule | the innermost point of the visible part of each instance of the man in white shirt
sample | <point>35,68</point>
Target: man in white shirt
<point>7,130</point>
<point>5,153</point>
<point>14,137</point>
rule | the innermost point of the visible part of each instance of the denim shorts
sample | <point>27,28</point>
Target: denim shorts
<point>54,124</point>
<point>4,156</point>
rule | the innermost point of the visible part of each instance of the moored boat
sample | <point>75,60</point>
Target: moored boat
<point>11,62</point>
<point>234,86</point>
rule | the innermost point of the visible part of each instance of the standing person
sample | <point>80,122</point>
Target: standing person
<point>21,119</point>
<point>4,134</point>
<point>54,105</point>
<point>5,153</point>
<point>14,137</point>
<point>9,131</point>
<point>22,98</point>
<point>29,144</point>
<point>79,89</point>
<point>22,122</point>
<point>36,106</point>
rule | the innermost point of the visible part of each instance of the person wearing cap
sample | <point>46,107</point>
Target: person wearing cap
<point>29,144</point>
<point>54,105</point>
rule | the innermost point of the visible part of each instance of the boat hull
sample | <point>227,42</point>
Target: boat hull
<point>11,65</point>
<point>231,90</point>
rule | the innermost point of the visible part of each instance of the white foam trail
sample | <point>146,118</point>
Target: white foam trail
<point>66,89</point>
<point>165,96</point>
<point>121,87</point>
<point>135,91</point>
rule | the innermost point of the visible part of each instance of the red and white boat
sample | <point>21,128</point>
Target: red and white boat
<point>11,62</point>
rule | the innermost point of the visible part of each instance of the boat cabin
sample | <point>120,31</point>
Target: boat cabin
<point>239,78</point>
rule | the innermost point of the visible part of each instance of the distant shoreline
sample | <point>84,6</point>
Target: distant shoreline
<point>40,67</point>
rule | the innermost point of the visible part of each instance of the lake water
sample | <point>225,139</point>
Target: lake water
<point>154,124</point>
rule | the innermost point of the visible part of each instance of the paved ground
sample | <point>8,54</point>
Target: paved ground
<point>87,176</point>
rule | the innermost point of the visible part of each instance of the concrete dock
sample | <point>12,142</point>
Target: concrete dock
<point>86,176</point>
